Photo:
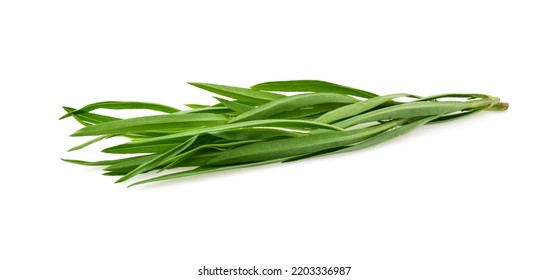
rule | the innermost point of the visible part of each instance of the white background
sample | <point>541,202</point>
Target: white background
<point>460,200</point>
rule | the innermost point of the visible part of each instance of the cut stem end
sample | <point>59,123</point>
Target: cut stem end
<point>502,106</point>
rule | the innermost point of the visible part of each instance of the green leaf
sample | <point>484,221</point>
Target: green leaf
<point>312,86</point>
<point>94,140</point>
<point>200,170</point>
<point>455,95</point>
<point>235,106</point>
<point>248,133</point>
<point>154,162</point>
<point>141,149</point>
<point>374,140</point>
<point>197,106</point>
<point>182,136</point>
<point>213,110</point>
<point>128,164</point>
<point>357,108</point>
<point>175,161</point>
<point>282,148</point>
<point>192,160</point>
<point>196,159</point>
<point>88,119</point>
<point>244,94</point>
<point>412,110</point>
<point>148,123</point>
<point>291,103</point>
<point>92,163</point>
<point>118,105</point>
<point>388,135</point>
<point>308,112</point>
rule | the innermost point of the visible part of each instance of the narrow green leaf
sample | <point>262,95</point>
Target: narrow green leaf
<point>89,118</point>
<point>312,86</point>
<point>213,110</point>
<point>91,163</point>
<point>289,147</point>
<point>388,135</point>
<point>412,110</point>
<point>455,95</point>
<point>148,123</point>
<point>200,170</point>
<point>459,115</point>
<point>244,94</point>
<point>193,160</point>
<point>113,173</point>
<point>158,160</point>
<point>139,149</point>
<point>197,106</point>
<point>179,137</point>
<point>128,164</point>
<point>94,140</point>
<point>292,103</point>
<point>374,140</point>
<point>315,154</point>
<point>81,121</point>
<point>196,159</point>
<point>308,112</point>
<point>248,133</point>
<point>235,106</point>
<point>174,161</point>
<point>358,108</point>
<point>156,148</point>
<point>118,105</point>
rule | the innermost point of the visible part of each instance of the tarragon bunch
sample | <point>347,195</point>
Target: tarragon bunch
<point>259,125</point>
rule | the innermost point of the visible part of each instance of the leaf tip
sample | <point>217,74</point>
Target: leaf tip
<point>65,115</point>
<point>111,150</point>
<point>70,160</point>
<point>120,180</point>
<point>70,111</point>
